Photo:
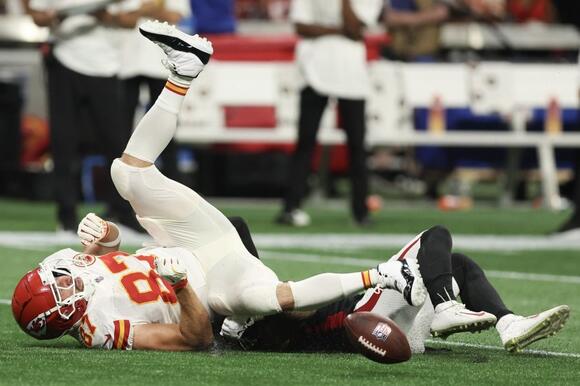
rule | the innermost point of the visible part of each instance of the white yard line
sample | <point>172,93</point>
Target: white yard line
<point>5,301</point>
<point>332,241</point>
<point>354,262</point>
<point>498,348</point>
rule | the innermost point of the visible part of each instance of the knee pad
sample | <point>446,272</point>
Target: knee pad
<point>120,176</point>
<point>260,299</point>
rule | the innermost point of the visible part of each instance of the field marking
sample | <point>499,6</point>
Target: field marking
<point>325,241</point>
<point>354,262</point>
<point>5,301</point>
<point>498,348</point>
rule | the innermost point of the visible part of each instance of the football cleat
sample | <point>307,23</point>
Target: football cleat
<point>452,317</point>
<point>403,276</point>
<point>186,54</point>
<point>520,331</point>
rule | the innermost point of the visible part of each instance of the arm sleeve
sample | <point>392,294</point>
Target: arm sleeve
<point>301,12</point>
<point>97,331</point>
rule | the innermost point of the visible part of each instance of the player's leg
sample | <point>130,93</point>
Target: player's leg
<point>254,289</point>
<point>172,213</point>
<point>516,331</point>
<point>352,112</point>
<point>244,232</point>
<point>432,252</point>
<point>312,105</point>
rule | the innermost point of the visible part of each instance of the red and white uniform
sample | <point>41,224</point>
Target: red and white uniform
<point>128,292</point>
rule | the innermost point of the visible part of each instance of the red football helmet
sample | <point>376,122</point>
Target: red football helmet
<point>38,307</point>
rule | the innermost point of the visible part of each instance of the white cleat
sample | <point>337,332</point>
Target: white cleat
<point>296,218</point>
<point>403,276</point>
<point>452,317</point>
<point>520,331</point>
<point>186,54</point>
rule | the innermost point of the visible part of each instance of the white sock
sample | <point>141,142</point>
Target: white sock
<point>157,127</point>
<point>319,290</point>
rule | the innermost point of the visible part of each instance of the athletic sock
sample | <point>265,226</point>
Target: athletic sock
<point>319,290</point>
<point>157,127</point>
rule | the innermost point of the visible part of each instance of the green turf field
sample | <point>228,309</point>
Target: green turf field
<point>467,359</point>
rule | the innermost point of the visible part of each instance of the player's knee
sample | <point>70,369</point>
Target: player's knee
<point>257,300</point>
<point>121,178</point>
<point>440,233</point>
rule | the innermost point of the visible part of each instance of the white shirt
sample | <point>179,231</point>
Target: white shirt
<point>334,65</point>
<point>129,292</point>
<point>82,44</point>
<point>139,56</point>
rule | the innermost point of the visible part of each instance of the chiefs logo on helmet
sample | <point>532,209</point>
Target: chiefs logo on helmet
<point>37,326</point>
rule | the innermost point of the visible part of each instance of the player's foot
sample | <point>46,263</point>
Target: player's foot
<point>517,332</point>
<point>186,54</point>
<point>296,217</point>
<point>452,317</point>
<point>403,276</point>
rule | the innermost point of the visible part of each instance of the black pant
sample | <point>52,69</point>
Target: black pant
<point>68,93</point>
<point>131,88</point>
<point>438,265</point>
<point>352,113</point>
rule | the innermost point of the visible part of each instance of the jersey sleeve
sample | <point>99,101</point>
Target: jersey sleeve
<point>99,331</point>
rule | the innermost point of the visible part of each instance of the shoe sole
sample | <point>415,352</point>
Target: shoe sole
<point>468,327</point>
<point>172,37</point>
<point>418,292</point>
<point>548,327</point>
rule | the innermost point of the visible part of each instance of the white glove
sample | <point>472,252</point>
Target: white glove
<point>93,229</point>
<point>172,270</point>
<point>234,327</point>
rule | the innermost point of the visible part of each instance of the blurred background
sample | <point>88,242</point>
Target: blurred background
<point>470,103</point>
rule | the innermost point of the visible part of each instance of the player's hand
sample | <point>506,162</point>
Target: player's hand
<point>172,270</point>
<point>92,229</point>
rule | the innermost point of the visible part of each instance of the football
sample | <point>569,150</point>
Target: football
<point>377,338</point>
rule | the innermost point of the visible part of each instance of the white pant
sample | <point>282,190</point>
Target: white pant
<point>176,216</point>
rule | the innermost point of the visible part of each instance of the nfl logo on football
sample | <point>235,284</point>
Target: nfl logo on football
<point>382,331</point>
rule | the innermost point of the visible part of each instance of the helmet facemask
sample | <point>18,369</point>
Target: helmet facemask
<point>66,267</point>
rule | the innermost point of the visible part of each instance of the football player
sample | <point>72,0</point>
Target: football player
<point>446,275</point>
<point>111,299</point>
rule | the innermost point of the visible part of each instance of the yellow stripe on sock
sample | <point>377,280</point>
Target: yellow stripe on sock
<point>175,88</point>
<point>366,278</point>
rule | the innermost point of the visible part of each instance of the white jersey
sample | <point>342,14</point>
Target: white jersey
<point>129,292</point>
